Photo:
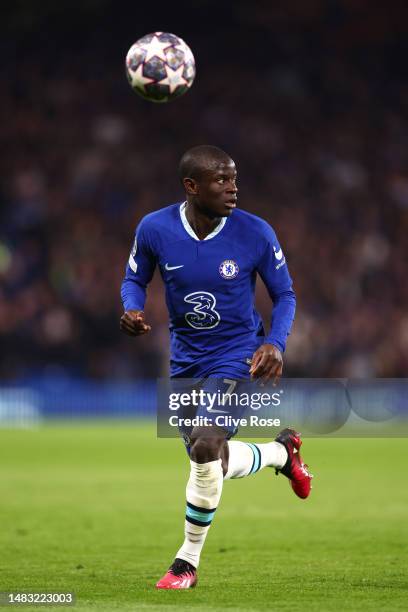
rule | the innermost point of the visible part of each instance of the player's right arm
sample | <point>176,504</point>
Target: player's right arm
<point>132,323</point>
<point>139,272</point>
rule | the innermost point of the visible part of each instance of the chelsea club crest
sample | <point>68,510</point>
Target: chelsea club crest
<point>228,269</point>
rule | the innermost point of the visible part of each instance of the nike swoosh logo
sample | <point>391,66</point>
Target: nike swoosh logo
<point>167,267</point>
<point>278,254</point>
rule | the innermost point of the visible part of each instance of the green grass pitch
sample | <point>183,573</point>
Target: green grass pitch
<point>98,508</point>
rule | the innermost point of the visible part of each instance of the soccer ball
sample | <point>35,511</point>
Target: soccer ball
<point>160,67</point>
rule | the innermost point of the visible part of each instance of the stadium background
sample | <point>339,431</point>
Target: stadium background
<point>310,99</point>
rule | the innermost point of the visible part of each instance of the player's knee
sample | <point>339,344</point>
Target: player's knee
<point>206,448</point>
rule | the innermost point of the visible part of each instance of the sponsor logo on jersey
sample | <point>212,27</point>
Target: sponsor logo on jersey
<point>203,315</point>
<point>278,254</point>
<point>134,248</point>
<point>228,269</point>
<point>132,261</point>
<point>167,267</point>
<point>280,257</point>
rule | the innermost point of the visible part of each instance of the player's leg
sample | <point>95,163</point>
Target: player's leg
<point>238,459</point>
<point>241,459</point>
<point>203,493</point>
<point>203,490</point>
<point>213,458</point>
<point>245,458</point>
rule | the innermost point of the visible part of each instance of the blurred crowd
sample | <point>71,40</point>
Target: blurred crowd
<point>318,128</point>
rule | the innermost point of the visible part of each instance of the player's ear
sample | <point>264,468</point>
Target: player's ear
<point>190,186</point>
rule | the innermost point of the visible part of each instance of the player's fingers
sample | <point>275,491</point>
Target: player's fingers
<point>135,320</point>
<point>260,366</point>
<point>126,325</point>
<point>137,332</point>
<point>255,366</point>
<point>133,314</point>
<point>256,358</point>
<point>277,373</point>
<point>130,331</point>
<point>132,327</point>
<point>136,323</point>
<point>266,376</point>
<point>142,328</point>
<point>267,373</point>
<point>273,369</point>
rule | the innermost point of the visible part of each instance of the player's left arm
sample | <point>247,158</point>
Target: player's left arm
<point>267,361</point>
<point>139,273</point>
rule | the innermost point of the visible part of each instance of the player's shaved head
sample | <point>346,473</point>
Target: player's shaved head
<point>200,159</point>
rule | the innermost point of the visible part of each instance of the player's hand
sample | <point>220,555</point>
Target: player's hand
<point>133,323</point>
<point>267,364</point>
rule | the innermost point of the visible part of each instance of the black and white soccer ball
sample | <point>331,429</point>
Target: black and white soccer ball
<point>160,67</point>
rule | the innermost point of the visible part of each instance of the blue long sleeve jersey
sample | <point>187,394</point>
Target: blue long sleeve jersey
<point>210,286</point>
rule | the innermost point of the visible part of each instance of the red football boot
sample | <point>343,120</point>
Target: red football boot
<point>181,575</point>
<point>294,468</point>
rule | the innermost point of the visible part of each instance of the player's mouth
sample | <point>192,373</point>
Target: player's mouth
<point>231,203</point>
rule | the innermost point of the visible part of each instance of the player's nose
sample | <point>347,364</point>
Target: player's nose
<point>232,187</point>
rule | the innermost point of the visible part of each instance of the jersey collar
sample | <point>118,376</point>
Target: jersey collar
<point>190,230</point>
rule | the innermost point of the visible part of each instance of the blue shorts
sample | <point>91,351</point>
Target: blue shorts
<point>219,392</point>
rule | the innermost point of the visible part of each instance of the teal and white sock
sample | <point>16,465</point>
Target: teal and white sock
<point>246,458</point>
<point>203,493</point>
